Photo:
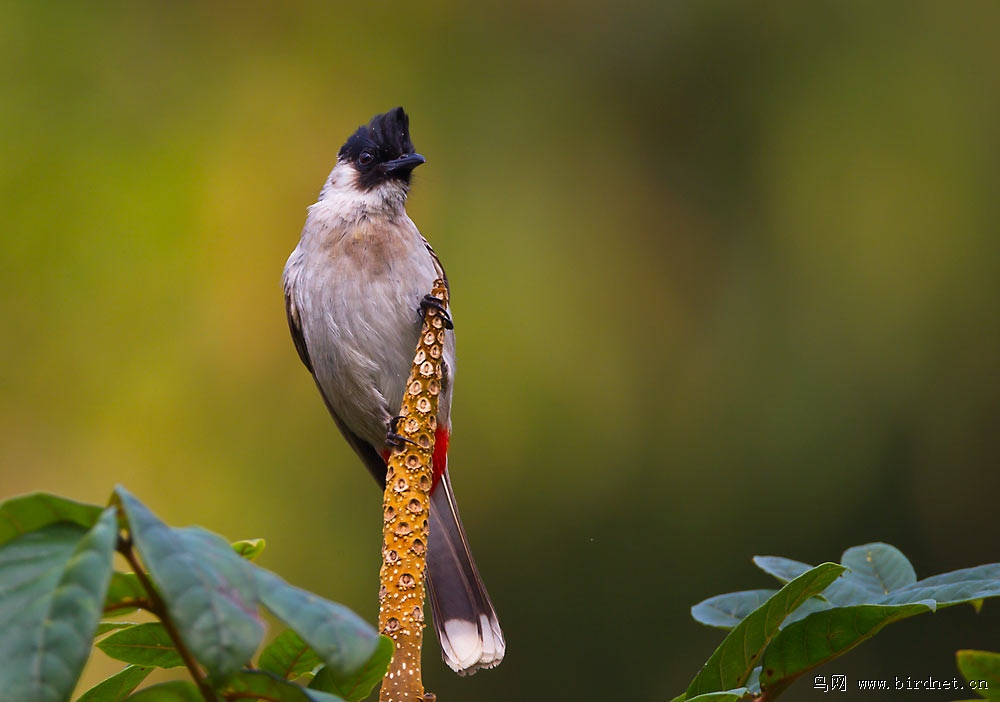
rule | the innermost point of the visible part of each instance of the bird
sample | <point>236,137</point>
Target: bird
<point>356,289</point>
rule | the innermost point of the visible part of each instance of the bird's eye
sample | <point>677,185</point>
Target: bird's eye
<point>365,158</point>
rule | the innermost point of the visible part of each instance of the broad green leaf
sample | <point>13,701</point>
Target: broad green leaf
<point>125,594</point>
<point>735,658</point>
<point>725,696</point>
<point>726,611</point>
<point>874,571</point>
<point>146,644</point>
<point>264,685</point>
<point>249,548</point>
<point>288,656</point>
<point>25,513</point>
<point>813,604</point>
<point>883,568</point>
<point>175,691</point>
<point>805,644</point>
<point>357,687</point>
<point>956,587</point>
<point>118,686</point>
<point>52,584</point>
<point>784,569</point>
<point>209,590</point>
<point>341,639</point>
<point>107,627</point>
<point>320,696</point>
<point>982,669</point>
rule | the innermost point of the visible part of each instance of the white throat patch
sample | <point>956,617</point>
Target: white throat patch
<point>343,198</point>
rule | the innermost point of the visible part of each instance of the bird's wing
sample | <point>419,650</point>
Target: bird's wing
<point>295,326</point>
<point>366,452</point>
<point>437,262</point>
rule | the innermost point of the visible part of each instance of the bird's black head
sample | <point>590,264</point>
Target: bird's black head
<point>381,150</point>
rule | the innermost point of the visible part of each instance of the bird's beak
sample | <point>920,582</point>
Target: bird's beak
<point>403,164</point>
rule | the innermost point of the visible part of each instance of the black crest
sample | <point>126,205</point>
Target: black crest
<point>383,140</point>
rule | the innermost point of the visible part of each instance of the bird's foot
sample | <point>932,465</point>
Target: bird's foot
<point>393,438</point>
<point>429,302</point>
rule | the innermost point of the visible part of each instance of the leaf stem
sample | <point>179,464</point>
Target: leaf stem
<point>158,607</point>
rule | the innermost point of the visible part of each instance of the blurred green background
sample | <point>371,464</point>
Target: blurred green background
<point>725,278</point>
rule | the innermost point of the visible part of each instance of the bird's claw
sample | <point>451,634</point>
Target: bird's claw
<point>393,438</point>
<point>430,301</point>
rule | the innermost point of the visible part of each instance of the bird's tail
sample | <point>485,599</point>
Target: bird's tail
<point>464,618</point>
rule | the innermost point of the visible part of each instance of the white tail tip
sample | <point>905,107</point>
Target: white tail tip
<point>470,646</point>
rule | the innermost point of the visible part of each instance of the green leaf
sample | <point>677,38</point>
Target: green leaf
<point>982,669</point>
<point>249,549</point>
<point>725,696</point>
<point>810,606</point>
<point>358,686</point>
<point>784,569</point>
<point>106,627</point>
<point>319,696</point>
<point>288,656</point>
<point>881,567</point>
<point>19,515</point>
<point>956,587</point>
<point>733,661</point>
<point>146,644</point>
<point>825,635</point>
<point>209,590</point>
<point>175,691</point>
<point>342,640</point>
<point>264,685</point>
<point>726,611</point>
<point>125,594</point>
<point>118,686</point>
<point>52,584</point>
<point>874,571</point>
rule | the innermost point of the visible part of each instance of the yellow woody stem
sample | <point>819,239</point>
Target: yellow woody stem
<point>405,510</point>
